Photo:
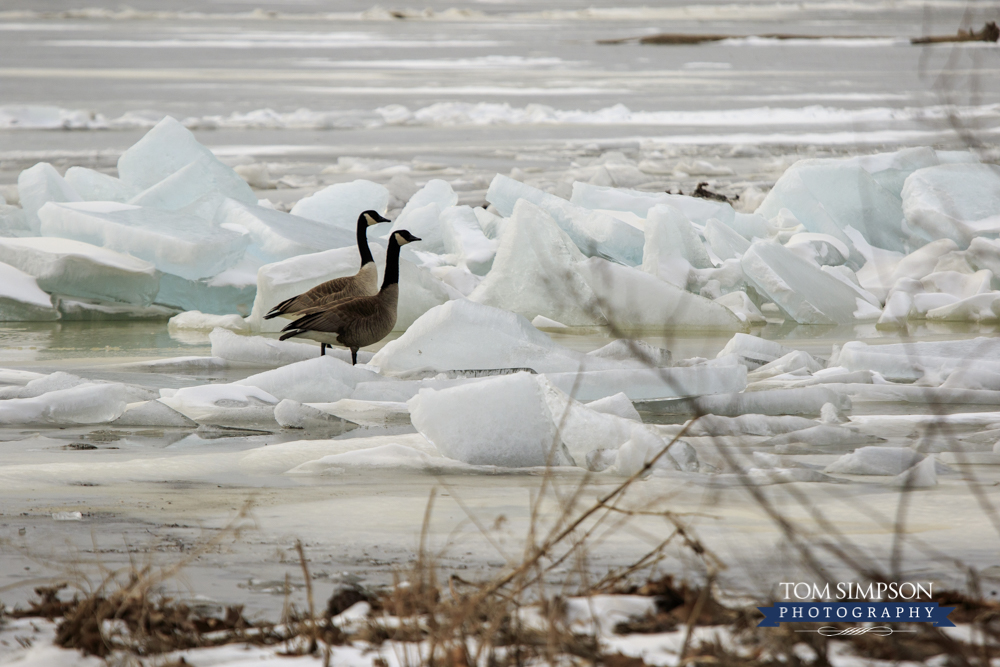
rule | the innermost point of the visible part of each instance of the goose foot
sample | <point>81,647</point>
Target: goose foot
<point>322,349</point>
<point>354,356</point>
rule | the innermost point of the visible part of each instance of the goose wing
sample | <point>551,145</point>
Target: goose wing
<point>341,288</point>
<point>359,312</point>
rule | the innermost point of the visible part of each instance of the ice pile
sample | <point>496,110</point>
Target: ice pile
<point>177,227</point>
<point>883,238</point>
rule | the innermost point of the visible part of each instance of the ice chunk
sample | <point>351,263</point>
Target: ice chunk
<point>41,184</point>
<point>535,272</point>
<point>793,361</point>
<point>977,308</point>
<point>93,310</point>
<point>463,335</point>
<point>492,225</point>
<point>643,446</point>
<point>198,321</point>
<point>164,150</point>
<point>921,476</point>
<point>340,205</point>
<point>897,310</point>
<point>203,176</point>
<point>79,269</point>
<point>803,401</point>
<point>982,254</point>
<point>425,223</point>
<point>319,380</point>
<point>753,351</point>
<point>21,300</point>
<point>175,243</point>
<point>631,299</point>
<point>367,413</point>
<point>13,221</point>
<point>954,201</point>
<point>906,362</point>
<point>748,424</point>
<point>669,234</point>
<point>635,201</point>
<point>82,404</point>
<point>973,378</point>
<point>884,270</point>
<point>458,277</point>
<point>542,322</point>
<point>94,186</point>
<point>435,191</point>
<point>821,249</point>
<point>596,234</point>
<point>823,435</point>
<point>292,414</point>
<point>827,196</point>
<point>276,235</point>
<point>723,239</point>
<point>152,413</point>
<point>462,236</point>
<point>959,285</point>
<point>875,461</point>
<point>419,291</point>
<point>741,305</point>
<point>224,405</point>
<point>42,385</point>
<point>651,383</point>
<point>804,292</point>
<point>503,421</point>
<point>618,405</point>
<point>640,352</point>
<point>231,291</point>
<point>258,351</point>
<point>891,169</point>
<point>391,455</point>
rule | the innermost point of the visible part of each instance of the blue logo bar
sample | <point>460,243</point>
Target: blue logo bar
<point>856,612</point>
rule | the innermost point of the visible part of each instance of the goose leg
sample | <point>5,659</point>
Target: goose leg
<point>354,356</point>
<point>322,349</point>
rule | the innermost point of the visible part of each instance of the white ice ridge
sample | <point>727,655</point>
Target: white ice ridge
<point>490,113</point>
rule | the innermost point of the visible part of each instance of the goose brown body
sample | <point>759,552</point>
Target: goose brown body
<point>357,322</point>
<point>362,283</point>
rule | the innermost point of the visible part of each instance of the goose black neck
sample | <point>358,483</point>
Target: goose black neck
<point>391,276</point>
<point>366,253</point>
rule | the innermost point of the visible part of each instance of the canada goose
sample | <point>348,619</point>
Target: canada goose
<point>362,283</point>
<point>357,322</point>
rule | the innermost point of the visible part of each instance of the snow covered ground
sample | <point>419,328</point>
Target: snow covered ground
<point>836,318</point>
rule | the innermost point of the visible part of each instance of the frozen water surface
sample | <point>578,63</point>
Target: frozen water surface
<point>421,114</point>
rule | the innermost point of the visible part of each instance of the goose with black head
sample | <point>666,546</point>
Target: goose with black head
<point>358,322</point>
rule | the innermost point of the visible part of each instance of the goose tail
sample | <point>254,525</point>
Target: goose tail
<point>279,309</point>
<point>291,333</point>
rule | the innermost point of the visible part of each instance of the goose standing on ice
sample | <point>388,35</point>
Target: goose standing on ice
<point>357,322</point>
<point>362,283</point>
